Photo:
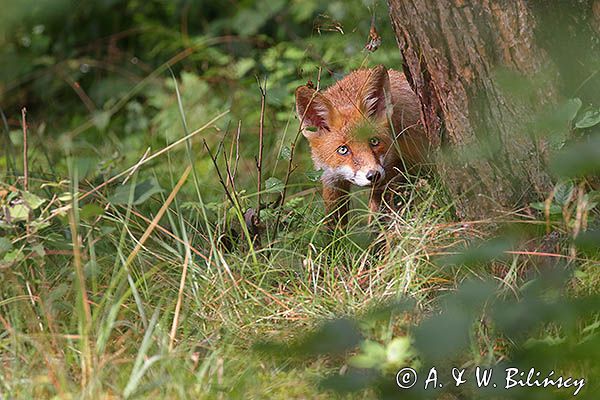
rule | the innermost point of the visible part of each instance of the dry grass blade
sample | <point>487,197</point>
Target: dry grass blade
<point>86,356</point>
<point>179,299</point>
<point>158,216</point>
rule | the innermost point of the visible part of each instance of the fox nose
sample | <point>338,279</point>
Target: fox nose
<point>373,176</point>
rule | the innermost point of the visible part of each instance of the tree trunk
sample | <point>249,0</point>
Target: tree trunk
<point>482,81</point>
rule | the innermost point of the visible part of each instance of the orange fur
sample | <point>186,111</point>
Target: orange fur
<point>374,115</point>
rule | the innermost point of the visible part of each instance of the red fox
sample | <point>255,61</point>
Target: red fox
<point>363,130</point>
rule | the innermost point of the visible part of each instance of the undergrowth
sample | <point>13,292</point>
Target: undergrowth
<point>140,256</point>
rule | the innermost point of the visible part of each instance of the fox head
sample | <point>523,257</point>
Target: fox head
<point>348,129</point>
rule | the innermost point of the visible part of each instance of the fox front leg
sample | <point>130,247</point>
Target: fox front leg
<point>374,203</point>
<point>336,203</point>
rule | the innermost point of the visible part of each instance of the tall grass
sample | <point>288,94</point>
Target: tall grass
<point>165,298</point>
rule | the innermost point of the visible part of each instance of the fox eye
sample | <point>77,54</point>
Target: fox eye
<point>343,150</point>
<point>374,141</point>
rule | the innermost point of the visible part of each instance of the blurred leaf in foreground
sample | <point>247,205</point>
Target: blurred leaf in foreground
<point>588,119</point>
<point>578,159</point>
<point>333,337</point>
<point>141,192</point>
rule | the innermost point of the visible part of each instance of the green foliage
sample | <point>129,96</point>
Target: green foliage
<point>135,193</point>
<point>97,301</point>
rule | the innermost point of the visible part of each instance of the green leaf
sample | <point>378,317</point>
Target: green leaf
<point>13,255</point>
<point>18,212</point>
<point>65,197</point>
<point>372,355</point>
<point>333,337</point>
<point>588,119</point>
<point>243,66</point>
<point>589,242</point>
<point>39,250</point>
<point>60,184</point>
<point>314,176</point>
<point>592,327</point>
<point>571,108</point>
<point>399,350</point>
<point>85,166</point>
<point>362,361</point>
<point>39,224</point>
<point>141,192</point>
<point>563,192</point>
<point>541,206</point>
<point>479,252</point>
<point>90,211</point>
<point>274,185</point>
<point>33,201</point>
<point>5,245</point>
<point>592,198</point>
<point>101,119</point>
<point>286,153</point>
<point>578,159</point>
<point>548,340</point>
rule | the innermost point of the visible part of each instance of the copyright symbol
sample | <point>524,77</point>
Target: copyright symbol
<point>406,378</point>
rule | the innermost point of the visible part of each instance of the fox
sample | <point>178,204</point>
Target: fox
<point>364,130</point>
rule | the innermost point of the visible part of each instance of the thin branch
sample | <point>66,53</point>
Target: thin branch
<point>263,95</point>
<point>214,160</point>
<point>25,159</point>
<point>291,167</point>
<point>230,180</point>
<point>85,99</point>
<point>234,201</point>
<point>237,149</point>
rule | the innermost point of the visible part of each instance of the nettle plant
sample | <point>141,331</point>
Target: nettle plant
<point>26,216</point>
<point>575,196</point>
<point>34,223</point>
<point>567,201</point>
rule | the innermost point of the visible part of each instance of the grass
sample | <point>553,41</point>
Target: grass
<point>126,274</point>
<point>166,297</point>
<point>97,322</point>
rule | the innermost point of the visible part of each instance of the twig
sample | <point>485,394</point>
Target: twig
<point>25,160</point>
<point>233,199</point>
<point>230,177</point>
<point>231,171</point>
<point>237,149</point>
<point>25,164</point>
<point>263,95</point>
<point>227,165</point>
<point>214,160</point>
<point>85,99</point>
<point>290,167</point>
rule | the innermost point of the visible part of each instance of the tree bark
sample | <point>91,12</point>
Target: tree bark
<point>458,56</point>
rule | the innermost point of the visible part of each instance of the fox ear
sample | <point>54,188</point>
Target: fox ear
<point>375,97</point>
<point>313,109</point>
